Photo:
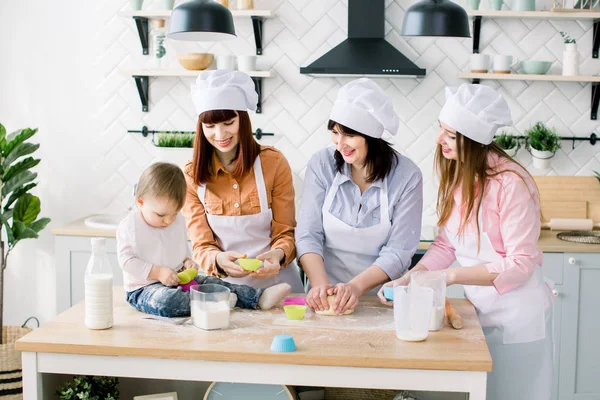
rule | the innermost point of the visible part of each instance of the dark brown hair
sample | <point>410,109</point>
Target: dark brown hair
<point>380,154</point>
<point>470,172</point>
<point>248,148</point>
<point>163,179</point>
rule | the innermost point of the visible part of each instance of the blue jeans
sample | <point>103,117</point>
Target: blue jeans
<point>158,299</point>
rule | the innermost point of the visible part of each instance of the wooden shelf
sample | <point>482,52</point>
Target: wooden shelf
<point>535,14</point>
<point>529,77</point>
<point>157,14</point>
<point>142,81</point>
<point>141,19</point>
<point>184,73</point>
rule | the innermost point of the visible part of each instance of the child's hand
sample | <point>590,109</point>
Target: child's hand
<point>167,276</point>
<point>271,263</point>
<point>189,263</point>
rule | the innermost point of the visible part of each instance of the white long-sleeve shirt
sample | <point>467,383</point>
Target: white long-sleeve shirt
<point>140,246</point>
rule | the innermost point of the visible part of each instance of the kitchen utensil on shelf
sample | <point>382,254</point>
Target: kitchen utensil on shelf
<point>454,318</point>
<point>535,67</point>
<point>503,64</point>
<point>587,237</point>
<point>570,224</point>
<point>246,63</point>
<point>195,61</point>
<point>226,62</point>
<point>480,63</point>
<point>249,264</point>
<point>524,5</point>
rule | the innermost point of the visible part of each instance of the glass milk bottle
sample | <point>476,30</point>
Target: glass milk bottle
<point>98,288</point>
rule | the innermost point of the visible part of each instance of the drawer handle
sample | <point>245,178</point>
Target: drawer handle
<point>572,260</point>
<point>555,292</point>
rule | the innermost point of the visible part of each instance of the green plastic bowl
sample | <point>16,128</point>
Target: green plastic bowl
<point>294,311</point>
<point>535,67</point>
<point>249,264</point>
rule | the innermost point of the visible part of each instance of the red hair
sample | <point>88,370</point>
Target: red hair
<point>248,149</point>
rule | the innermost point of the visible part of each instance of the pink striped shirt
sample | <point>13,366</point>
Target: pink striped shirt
<point>511,218</point>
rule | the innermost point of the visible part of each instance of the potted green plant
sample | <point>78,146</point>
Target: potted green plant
<point>19,210</point>
<point>508,143</point>
<point>543,142</point>
<point>174,146</point>
<point>90,388</point>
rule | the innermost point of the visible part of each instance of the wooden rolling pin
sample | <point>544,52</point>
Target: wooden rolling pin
<point>454,318</point>
<point>570,224</point>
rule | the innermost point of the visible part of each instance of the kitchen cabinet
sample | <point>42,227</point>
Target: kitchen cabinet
<point>579,369</point>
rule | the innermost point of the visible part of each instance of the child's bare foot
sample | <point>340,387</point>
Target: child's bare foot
<point>232,300</point>
<point>273,295</point>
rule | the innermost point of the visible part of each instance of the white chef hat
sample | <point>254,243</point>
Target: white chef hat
<point>224,90</point>
<point>363,106</point>
<point>476,111</point>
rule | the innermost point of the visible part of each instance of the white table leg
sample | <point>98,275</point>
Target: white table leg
<point>478,390</point>
<point>32,380</point>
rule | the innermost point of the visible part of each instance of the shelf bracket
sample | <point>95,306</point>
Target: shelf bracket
<point>596,43</point>
<point>258,86</point>
<point>141,82</point>
<point>475,81</point>
<point>257,24</point>
<point>142,27</point>
<point>477,34</point>
<point>595,100</point>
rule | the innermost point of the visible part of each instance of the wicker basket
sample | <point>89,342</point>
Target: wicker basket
<point>588,237</point>
<point>364,394</point>
<point>11,385</point>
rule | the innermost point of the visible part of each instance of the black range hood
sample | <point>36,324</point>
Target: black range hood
<point>365,52</point>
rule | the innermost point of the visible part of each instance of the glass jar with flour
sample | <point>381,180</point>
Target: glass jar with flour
<point>435,280</point>
<point>210,306</point>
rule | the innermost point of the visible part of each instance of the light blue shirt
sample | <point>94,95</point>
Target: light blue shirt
<point>405,197</point>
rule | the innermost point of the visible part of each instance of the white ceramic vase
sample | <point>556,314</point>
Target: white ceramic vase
<point>541,159</point>
<point>570,60</point>
<point>511,152</point>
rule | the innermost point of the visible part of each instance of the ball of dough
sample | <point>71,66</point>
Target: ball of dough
<point>331,311</point>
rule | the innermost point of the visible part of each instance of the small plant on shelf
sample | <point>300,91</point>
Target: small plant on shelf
<point>567,38</point>
<point>90,388</point>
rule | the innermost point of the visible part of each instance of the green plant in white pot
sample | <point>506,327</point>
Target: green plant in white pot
<point>19,210</point>
<point>508,143</point>
<point>543,142</point>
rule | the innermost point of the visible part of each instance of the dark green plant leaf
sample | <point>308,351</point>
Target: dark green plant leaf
<point>542,138</point>
<point>22,165</point>
<point>2,132</point>
<point>22,232</point>
<point>40,224</point>
<point>597,175</point>
<point>19,151</point>
<point>15,140</point>
<point>4,218</point>
<point>18,193</point>
<point>17,182</point>
<point>27,209</point>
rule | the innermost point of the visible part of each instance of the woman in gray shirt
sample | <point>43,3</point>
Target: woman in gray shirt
<point>360,220</point>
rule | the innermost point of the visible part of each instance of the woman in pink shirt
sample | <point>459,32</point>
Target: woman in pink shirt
<point>493,237</point>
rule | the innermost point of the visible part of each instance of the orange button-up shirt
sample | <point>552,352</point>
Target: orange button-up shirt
<point>224,192</point>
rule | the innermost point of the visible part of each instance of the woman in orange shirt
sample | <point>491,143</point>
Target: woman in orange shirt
<point>240,197</point>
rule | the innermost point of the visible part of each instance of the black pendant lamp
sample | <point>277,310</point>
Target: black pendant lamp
<point>436,18</point>
<point>201,21</point>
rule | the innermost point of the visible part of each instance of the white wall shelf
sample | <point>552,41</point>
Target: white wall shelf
<point>594,80</point>
<point>141,19</point>
<point>142,78</point>
<point>529,77</point>
<point>477,15</point>
<point>534,14</point>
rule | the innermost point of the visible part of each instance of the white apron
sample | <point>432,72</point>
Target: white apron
<point>251,234</point>
<point>517,325</point>
<point>348,251</point>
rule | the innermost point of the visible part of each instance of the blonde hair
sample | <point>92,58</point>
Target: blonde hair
<point>163,179</point>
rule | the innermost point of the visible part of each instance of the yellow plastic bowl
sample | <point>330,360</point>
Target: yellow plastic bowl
<point>295,311</point>
<point>249,264</point>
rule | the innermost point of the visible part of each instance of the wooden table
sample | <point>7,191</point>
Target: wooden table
<point>357,350</point>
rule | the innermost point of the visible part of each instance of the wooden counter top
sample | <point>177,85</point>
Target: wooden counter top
<point>364,339</point>
<point>548,242</point>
